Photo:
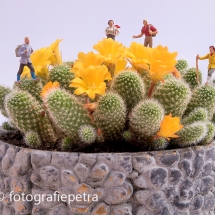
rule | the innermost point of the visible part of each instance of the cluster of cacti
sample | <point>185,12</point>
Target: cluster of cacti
<point>83,102</point>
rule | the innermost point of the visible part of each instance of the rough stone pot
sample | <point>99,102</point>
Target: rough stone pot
<point>146,183</point>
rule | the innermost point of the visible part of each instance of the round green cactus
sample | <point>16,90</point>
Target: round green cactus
<point>34,87</point>
<point>198,114</point>
<point>181,65</point>
<point>66,112</point>
<point>146,118</point>
<point>110,116</point>
<point>173,95</point>
<point>27,114</point>
<point>210,133</point>
<point>190,134</point>
<point>63,75</point>
<point>159,144</point>
<point>127,135</point>
<point>32,139</point>
<point>7,126</point>
<point>202,97</point>
<point>130,87</point>
<point>87,134</point>
<point>189,77</point>
<point>4,91</point>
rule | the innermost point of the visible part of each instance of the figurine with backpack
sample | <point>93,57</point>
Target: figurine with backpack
<point>149,31</point>
<point>24,51</point>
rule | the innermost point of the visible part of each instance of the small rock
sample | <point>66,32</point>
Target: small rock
<point>87,159</point>
<point>63,160</point>
<point>82,171</point>
<point>158,176</point>
<point>115,179</point>
<point>197,203</point>
<point>124,209</point>
<point>101,209</point>
<point>40,159</point>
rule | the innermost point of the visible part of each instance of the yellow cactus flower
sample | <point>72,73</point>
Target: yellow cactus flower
<point>169,126</point>
<point>86,60</point>
<point>91,81</point>
<point>40,60</point>
<point>48,87</point>
<point>138,55</point>
<point>162,62</point>
<point>56,58</point>
<point>110,50</point>
<point>120,66</point>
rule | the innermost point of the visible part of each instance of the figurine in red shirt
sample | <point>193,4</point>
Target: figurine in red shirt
<point>149,31</point>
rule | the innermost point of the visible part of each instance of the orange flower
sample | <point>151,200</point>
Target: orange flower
<point>162,62</point>
<point>49,86</point>
<point>169,126</point>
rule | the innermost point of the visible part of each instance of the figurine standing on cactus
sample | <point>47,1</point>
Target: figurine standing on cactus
<point>211,66</point>
<point>149,31</point>
<point>112,30</point>
<point>25,51</point>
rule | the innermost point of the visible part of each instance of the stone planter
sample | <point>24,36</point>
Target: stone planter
<point>146,183</point>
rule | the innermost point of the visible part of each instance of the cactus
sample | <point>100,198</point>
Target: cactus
<point>146,118</point>
<point>66,112</point>
<point>110,116</point>
<point>31,86</point>
<point>87,134</point>
<point>190,134</point>
<point>159,144</point>
<point>69,63</point>
<point>27,115</point>
<point>146,80</point>
<point>130,87</point>
<point>7,126</point>
<point>202,97</point>
<point>189,77</point>
<point>63,75</point>
<point>66,144</point>
<point>174,96</point>
<point>127,135</point>
<point>181,65</point>
<point>32,139</point>
<point>4,91</point>
<point>198,114</point>
<point>210,133</point>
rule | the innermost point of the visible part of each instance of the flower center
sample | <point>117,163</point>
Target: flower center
<point>92,86</point>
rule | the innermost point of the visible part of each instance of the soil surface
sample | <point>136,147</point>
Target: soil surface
<point>16,138</point>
